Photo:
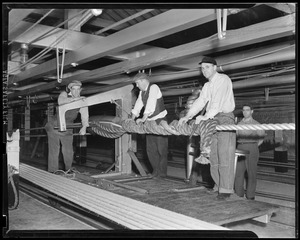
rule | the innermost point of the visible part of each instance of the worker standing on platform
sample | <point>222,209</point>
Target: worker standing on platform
<point>55,138</point>
<point>218,93</point>
<point>150,97</point>
<point>248,140</point>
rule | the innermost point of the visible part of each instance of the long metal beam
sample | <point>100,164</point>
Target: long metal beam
<point>159,26</point>
<point>272,29</point>
<point>119,93</point>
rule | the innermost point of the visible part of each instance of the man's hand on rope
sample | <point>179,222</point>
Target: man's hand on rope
<point>183,120</point>
<point>139,120</point>
<point>133,116</point>
<point>82,131</point>
<point>200,118</point>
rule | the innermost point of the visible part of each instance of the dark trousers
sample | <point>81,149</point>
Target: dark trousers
<point>55,138</point>
<point>157,151</point>
<point>249,165</point>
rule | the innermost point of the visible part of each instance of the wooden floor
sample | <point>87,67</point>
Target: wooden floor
<point>194,202</point>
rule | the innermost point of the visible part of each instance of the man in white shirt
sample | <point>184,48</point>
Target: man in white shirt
<point>248,140</point>
<point>150,97</point>
<point>55,138</point>
<point>218,93</point>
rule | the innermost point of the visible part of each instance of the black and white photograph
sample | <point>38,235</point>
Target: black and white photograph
<point>149,120</point>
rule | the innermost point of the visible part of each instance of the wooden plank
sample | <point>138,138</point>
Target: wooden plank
<point>264,219</point>
<point>136,189</point>
<point>132,179</point>
<point>148,30</point>
<point>137,163</point>
<point>103,175</point>
<point>264,31</point>
<point>199,204</point>
<point>187,189</point>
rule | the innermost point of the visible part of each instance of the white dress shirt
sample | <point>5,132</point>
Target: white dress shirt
<point>154,94</point>
<point>218,91</point>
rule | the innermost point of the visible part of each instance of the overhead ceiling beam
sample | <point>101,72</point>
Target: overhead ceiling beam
<point>272,29</point>
<point>159,26</point>
<point>103,23</point>
<point>16,16</point>
<point>73,41</point>
<point>284,7</point>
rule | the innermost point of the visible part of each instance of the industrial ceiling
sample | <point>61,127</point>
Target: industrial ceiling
<point>47,46</point>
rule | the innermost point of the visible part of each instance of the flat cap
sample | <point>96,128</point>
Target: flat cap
<point>74,83</point>
<point>140,76</point>
<point>208,60</point>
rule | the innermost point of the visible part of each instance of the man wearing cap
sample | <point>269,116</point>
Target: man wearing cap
<point>150,97</point>
<point>218,93</point>
<point>55,137</point>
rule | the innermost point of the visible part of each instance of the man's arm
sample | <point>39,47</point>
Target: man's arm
<point>137,106</point>
<point>84,112</point>
<point>63,98</point>
<point>199,103</point>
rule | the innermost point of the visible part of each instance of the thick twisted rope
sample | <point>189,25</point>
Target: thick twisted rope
<point>277,126</point>
<point>205,128</point>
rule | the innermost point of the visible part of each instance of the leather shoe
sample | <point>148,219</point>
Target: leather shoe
<point>223,196</point>
<point>211,190</point>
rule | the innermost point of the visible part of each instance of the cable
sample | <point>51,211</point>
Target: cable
<point>11,171</point>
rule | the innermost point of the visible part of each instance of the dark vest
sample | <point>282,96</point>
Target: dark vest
<point>71,115</point>
<point>160,106</point>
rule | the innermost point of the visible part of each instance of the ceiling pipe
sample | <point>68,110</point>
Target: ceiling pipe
<point>270,81</point>
<point>34,99</point>
<point>287,53</point>
<point>278,56</point>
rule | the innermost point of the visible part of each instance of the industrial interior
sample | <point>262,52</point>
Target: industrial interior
<point>110,186</point>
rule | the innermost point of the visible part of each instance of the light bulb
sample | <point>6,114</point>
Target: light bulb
<point>96,12</point>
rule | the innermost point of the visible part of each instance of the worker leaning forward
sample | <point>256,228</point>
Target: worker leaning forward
<point>55,138</point>
<point>150,97</point>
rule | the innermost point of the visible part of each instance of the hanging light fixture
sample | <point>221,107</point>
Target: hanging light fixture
<point>96,12</point>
